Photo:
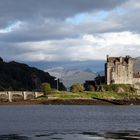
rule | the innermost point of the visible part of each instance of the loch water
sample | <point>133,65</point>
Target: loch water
<point>59,122</point>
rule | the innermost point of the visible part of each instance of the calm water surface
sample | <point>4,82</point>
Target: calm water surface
<point>42,122</point>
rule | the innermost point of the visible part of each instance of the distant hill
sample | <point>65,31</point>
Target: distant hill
<point>70,76</point>
<point>137,64</point>
<point>17,76</point>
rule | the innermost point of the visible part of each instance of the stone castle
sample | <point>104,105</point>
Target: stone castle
<point>119,70</point>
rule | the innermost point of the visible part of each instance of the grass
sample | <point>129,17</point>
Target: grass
<point>91,95</point>
<point>112,95</point>
<point>111,92</point>
<point>67,95</point>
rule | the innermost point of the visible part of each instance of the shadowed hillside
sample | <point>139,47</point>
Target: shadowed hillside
<point>17,76</point>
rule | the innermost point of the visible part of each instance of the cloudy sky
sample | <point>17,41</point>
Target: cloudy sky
<point>68,30</point>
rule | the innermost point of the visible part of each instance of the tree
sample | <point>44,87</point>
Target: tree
<point>90,88</point>
<point>77,88</point>
<point>46,88</point>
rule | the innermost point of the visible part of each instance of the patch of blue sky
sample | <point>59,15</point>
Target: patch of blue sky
<point>101,16</point>
<point>77,19</point>
<point>83,17</point>
<point>94,17</point>
<point>11,27</point>
<point>120,11</point>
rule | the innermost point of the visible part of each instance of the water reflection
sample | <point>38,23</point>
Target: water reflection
<point>69,122</point>
<point>126,135</point>
<point>123,135</point>
<point>13,137</point>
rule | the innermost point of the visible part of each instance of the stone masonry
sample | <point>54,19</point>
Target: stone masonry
<point>119,70</point>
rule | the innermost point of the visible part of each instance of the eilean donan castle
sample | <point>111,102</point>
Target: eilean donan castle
<point>119,70</point>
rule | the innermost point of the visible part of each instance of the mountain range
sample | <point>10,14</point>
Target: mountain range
<point>70,76</point>
<point>137,64</point>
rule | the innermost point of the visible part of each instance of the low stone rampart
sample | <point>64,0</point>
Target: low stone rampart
<point>25,95</point>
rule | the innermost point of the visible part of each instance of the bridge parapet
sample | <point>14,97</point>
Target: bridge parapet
<point>10,95</point>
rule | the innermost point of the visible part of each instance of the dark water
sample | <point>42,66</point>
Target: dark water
<point>69,122</point>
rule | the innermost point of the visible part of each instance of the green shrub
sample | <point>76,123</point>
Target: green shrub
<point>46,88</point>
<point>90,88</point>
<point>77,88</point>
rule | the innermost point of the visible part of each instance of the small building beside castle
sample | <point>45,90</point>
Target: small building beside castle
<point>119,70</point>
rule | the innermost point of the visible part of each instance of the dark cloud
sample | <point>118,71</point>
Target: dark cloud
<point>38,31</point>
<point>44,19</point>
<point>12,10</point>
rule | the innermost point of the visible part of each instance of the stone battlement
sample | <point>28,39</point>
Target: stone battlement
<point>119,60</point>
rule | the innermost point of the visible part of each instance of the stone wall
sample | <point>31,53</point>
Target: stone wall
<point>136,82</point>
<point>16,95</point>
<point>119,70</point>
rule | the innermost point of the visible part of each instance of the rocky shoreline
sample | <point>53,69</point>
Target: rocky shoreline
<point>74,102</point>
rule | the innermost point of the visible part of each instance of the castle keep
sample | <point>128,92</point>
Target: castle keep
<point>119,70</point>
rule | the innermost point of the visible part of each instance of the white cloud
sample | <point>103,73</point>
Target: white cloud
<point>87,47</point>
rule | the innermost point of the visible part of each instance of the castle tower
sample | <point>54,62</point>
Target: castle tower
<point>119,70</point>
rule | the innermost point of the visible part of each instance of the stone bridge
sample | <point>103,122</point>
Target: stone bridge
<point>14,95</point>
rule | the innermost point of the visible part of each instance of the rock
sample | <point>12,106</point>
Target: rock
<point>120,90</point>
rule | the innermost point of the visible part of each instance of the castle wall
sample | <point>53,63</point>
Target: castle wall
<point>136,82</point>
<point>119,70</point>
